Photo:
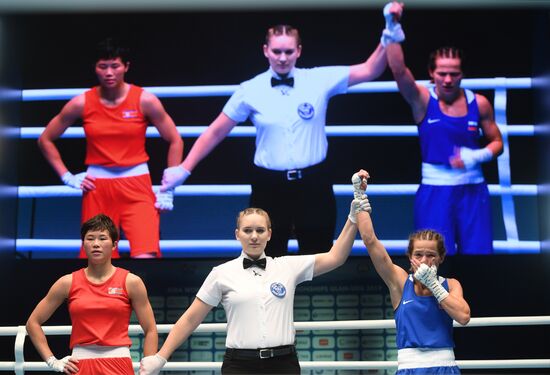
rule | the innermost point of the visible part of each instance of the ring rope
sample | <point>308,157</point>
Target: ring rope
<point>226,90</point>
<point>322,365</point>
<point>503,162</point>
<point>500,84</point>
<point>52,191</point>
<point>32,132</point>
<point>19,332</point>
<point>228,248</point>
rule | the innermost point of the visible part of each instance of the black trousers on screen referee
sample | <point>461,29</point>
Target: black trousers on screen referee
<point>301,205</point>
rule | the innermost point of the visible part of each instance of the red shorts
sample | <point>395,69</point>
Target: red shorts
<point>130,203</point>
<point>105,366</point>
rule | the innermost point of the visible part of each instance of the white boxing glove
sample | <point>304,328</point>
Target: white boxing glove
<point>57,365</point>
<point>471,158</point>
<point>165,200</point>
<point>428,276</point>
<point>358,205</point>
<point>151,365</point>
<point>72,180</point>
<point>393,33</point>
<point>174,176</point>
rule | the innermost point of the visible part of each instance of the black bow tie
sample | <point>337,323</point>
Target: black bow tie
<point>289,81</point>
<point>260,263</point>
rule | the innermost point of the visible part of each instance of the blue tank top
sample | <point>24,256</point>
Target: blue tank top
<point>440,134</point>
<point>421,322</point>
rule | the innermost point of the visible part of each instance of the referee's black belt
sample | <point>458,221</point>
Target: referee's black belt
<point>290,174</point>
<point>261,353</point>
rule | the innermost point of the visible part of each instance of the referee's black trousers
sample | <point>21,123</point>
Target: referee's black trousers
<point>303,208</point>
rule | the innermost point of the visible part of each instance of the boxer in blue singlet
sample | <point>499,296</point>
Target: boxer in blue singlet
<point>424,303</point>
<point>453,198</point>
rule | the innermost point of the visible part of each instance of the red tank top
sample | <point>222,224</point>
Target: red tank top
<point>115,136</point>
<point>100,313</point>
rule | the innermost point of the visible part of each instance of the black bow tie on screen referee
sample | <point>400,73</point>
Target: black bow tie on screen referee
<point>289,81</point>
<point>260,263</point>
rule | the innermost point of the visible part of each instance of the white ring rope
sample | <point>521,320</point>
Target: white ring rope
<point>503,162</point>
<point>306,365</point>
<point>250,131</point>
<point>18,350</point>
<point>244,190</point>
<point>323,365</point>
<point>226,248</point>
<point>505,189</point>
<point>226,90</point>
<point>189,248</point>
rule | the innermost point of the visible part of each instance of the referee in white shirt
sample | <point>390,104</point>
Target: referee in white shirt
<point>257,293</point>
<point>288,107</point>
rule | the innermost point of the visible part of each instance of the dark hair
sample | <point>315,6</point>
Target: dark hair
<point>430,235</point>
<point>445,52</point>
<point>109,49</point>
<point>99,222</point>
<point>283,30</point>
<point>253,210</point>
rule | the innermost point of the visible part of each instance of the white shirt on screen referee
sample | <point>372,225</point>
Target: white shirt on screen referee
<point>289,121</point>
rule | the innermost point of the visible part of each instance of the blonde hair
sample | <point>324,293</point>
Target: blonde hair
<point>428,235</point>
<point>283,30</point>
<point>253,210</point>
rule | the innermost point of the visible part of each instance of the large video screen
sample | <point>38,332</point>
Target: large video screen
<point>194,61</point>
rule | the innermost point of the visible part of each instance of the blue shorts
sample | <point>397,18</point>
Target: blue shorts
<point>429,370</point>
<point>462,214</point>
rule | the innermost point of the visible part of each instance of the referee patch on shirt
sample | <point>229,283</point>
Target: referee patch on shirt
<point>306,111</point>
<point>278,290</point>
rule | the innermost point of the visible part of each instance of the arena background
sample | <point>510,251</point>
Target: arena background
<point>55,50</point>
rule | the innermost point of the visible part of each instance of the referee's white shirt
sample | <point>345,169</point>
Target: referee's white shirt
<point>257,315</point>
<point>290,121</point>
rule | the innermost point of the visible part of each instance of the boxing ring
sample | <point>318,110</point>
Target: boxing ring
<point>505,190</point>
<point>19,366</point>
